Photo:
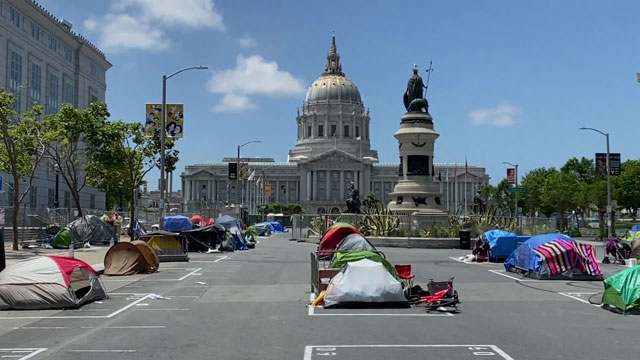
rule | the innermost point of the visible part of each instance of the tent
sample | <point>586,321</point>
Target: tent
<point>239,242</point>
<point>632,234</point>
<point>128,258</point>
<point>340,259</point>
<point>354,242</point>
<point>332,238</point>
<point>63,239</point>
<point>277,227</point>
<point>91,229</point>
<point>176,223</point>
<point>49,282</point>
<point>198,220</point>
<point>622,291</point>
<point>635,249</point>
<point>364,283</point>
<point>168,246</point>
<point>229,221</point>
<point>264,229</point>
<point>554,256</point>
<point>204,239</point>
<point>501,243</point>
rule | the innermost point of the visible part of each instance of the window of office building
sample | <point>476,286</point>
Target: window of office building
<point>69,93</point>
<point>68,54</point>
<point>309,131</point>
<point>357,131</point>
<point>35,31</point>
<point>320,130</point>
<point>94,69</point>
<point>51,197</point>
<point>15,17</point>
<point>34,197</point>
<point>52,98</point>
<point>345,133</point>
<point>53,43</point>
<point>16,77</point>
<point>36,83</point>
<point>333,130</point>
<point>92,201</point>
<point>67,199</point>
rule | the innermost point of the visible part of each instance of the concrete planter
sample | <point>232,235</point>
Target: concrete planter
<point>404,242</point>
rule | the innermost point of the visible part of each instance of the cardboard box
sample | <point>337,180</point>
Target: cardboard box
<point>325,276</point>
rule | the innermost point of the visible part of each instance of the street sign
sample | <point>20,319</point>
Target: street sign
<point>233,171</point>
<point>517,189</point>
<point>511,176</point>
<point>614,163</point>
<point>267,189</point>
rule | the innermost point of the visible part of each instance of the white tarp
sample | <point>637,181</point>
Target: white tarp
<point>364,281</point>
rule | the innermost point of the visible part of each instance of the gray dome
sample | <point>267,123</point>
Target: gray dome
<point>333,88</point>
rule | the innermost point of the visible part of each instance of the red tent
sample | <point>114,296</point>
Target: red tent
<point>332,238</point>
<point>198,220</point>
<point>211,221</point>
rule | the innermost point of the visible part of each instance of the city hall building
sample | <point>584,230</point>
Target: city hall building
<point>332,150</point>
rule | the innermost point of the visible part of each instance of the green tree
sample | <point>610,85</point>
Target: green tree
<point>627,187</point>
<point>533,183</point>
<point>559,194</point>
<point>122,156</point>
<point>66,133</point>
<point>504,199</point>
<point>583,169</point>
<point>371,201</point>
<point>20,153</point>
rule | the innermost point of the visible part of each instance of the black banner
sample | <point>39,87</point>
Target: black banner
<point>614,163</point>
<point>233,171</point>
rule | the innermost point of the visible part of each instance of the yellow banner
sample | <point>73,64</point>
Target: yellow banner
<point>175,120</point>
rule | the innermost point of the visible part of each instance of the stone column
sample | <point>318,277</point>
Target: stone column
<point>314,185</point>
<point>341,185</point>
<point>327,190</point>
<point>186,190</point>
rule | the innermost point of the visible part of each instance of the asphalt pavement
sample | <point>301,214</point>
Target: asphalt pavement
<point>253,305</point>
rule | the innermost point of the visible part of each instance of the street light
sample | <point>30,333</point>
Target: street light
<point>238,199</point>
<point>56,202</point>
<point>609,215</point>
<point>516,166</point>
<point>163,134</point>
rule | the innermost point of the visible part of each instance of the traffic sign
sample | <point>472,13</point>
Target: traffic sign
<point>517,189</point>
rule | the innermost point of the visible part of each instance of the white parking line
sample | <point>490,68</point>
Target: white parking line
<point>81,316</point>
<point>102,351</point>
<point>311,312</point>
<point>501,273</point>
<point>31,352</point>
<point>573,296</point>
<point>308,350</point>
<point>209,261</point>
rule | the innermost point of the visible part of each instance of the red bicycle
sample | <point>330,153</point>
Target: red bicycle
<point>441,295</point>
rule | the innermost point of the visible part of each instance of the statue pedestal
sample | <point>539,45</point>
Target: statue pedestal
<point>416,193</point>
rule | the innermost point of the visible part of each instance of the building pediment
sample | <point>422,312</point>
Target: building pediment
<point>202,172</point>
<point>332,156</point>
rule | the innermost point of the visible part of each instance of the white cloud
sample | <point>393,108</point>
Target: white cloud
<point>254,75</point>
<point>192,13</point>
<point>141,24</point>
<point>234,103</point>
<point>502,115</point>
<point>247,41</point>
<point>120,32</point>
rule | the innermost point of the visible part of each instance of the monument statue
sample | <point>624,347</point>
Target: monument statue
<point>413,97</point>
<point>353,201</point>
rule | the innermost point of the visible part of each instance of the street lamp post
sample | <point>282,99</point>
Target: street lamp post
<point>163,135</point>
<point>56,202</point>
<point>238,192</point>
<point>516,166</point>
<point>609,210</point>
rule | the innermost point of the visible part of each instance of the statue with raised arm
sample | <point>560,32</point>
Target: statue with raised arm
<point>413,97</point>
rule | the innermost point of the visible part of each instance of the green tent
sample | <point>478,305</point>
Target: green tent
<point>342,224</point>
<point>341,259</point>
<point>622,290</point>
<point>62,239</point>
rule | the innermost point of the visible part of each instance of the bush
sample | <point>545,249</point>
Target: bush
<point>573,232</point>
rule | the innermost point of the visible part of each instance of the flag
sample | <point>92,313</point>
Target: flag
<point>252,175</point>
<point>466,170</point>
<point>259,181</point>
<point>439,176</point>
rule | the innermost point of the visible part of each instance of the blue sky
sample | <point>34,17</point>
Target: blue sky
<point>513,80</point>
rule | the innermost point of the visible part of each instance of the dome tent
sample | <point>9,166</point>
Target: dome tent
<point>331,239</point>
<point>128,258</point>
<point>49,282</point>
<point>354,242</point>
<point>622,291</point>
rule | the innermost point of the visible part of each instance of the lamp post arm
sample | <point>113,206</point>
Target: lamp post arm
<point>185,69</point>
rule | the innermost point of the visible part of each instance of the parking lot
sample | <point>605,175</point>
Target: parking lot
<point>253,305</point>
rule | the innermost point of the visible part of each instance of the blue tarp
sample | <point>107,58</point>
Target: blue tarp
<point>524,256</point>
<point>635,227</point>
<point>238,239</point>
<point>176,223</point>
<point>493,235</point>
<point>502,243</point>
<point>277,227</point>
<point>266,225</point>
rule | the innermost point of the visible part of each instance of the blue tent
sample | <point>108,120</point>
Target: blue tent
<point>176,223</point>
<point>277,227</point>
<point>228,221</point>
<point>502,243</point>
<point>238,239</point>
<point>635,227</point>
<point>525,258</point>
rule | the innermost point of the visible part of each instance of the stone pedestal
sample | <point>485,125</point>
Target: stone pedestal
<point>416,193</point>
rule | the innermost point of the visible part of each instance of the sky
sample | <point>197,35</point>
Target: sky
<point>512,81</point>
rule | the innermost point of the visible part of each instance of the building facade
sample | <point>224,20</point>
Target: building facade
<point>332,150</point>
<point>42,61</point>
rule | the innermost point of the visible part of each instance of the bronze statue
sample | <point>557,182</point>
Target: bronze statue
<point>353,201</point>
<point>413,97</point>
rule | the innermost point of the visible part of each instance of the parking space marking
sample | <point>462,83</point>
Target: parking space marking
<point>478,350</point>
<point>311,312</point>
<point>80,316</point>
<point>21,353</point>
<point>485,263</point>
<point>210,261</point>
<point>102,351</point>
<point>501,273</point>
<point>576,296</point>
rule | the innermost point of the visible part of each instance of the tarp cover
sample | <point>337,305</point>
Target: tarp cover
<point>128,258</point>
<point>332,238</point>
<point>354,242</point>
<point>633,233</point>
<point>524,257</point>
<point>622,290</point>
<point>49,282</point>
<point>364,282</point>
<point>341,259</point>
<point>493,235</point>
<point>176,223</point>
<point>204,239</point>
<point>228,221</point>
<point>277,227</point>
<point>91,229</point>
<point>239,241</point>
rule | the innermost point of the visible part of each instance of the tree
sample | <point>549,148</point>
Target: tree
<point>627,187</point>
<point>371,201</point>
<point>559,194</point>
<point>66,133</point>
<point>504,198</point>
<point>484,198</point>
<point>20,153</point>
<point>533,184</point>
<point>583,169</point>
<point>122,156</point>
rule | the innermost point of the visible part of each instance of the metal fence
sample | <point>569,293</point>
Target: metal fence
<point>411,226</point>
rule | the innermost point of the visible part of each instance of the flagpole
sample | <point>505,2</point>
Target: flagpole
<point>465,185</point>
<point>448,190</point>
